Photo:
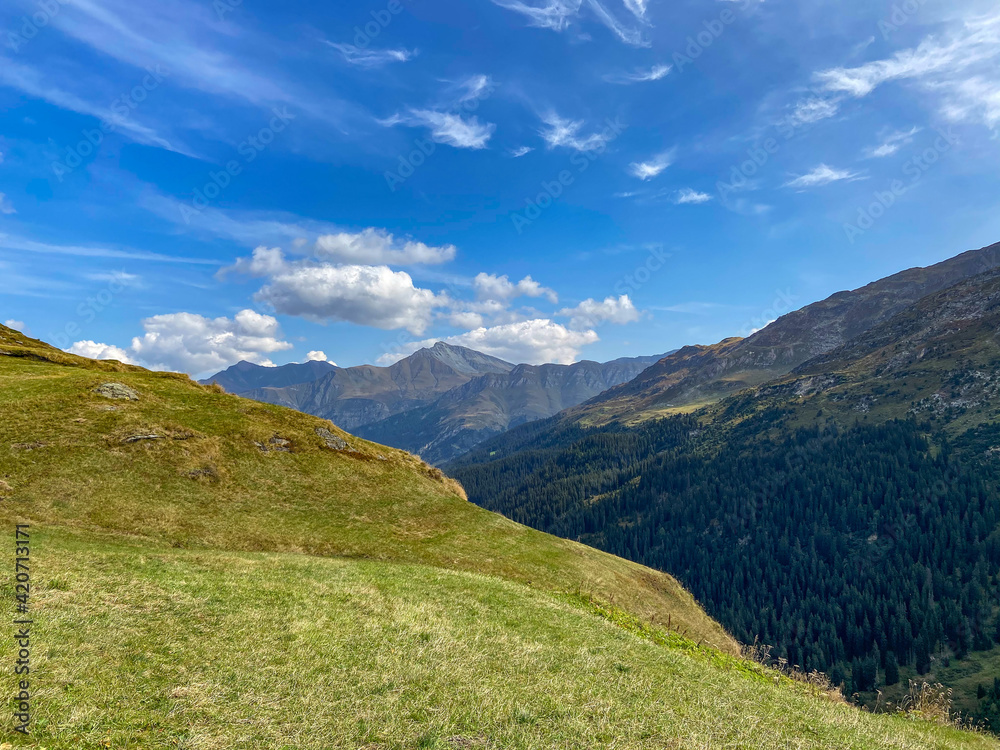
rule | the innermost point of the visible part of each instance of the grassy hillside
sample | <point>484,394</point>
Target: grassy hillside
<point>206,483</point>
<point>208,573</point>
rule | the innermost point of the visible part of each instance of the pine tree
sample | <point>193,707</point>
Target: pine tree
<point>891,669</point>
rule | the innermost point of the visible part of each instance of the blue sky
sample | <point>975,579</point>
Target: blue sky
<point>188,184</point>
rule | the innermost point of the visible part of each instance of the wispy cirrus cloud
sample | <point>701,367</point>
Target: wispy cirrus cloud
<point>823,175</point>
<point>562,133</point>
<point>950,65</point>
<point>559,14</point>
<point>647,170</point>
<point>640,75</point>
<point>687,196</point>
<point>372,58</point>
<point>447,127</point>
<point>892,143</point>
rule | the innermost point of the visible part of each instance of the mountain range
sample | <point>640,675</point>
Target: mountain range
<point>830,485</point>
<point>438,402</point>
<point>199,563</point>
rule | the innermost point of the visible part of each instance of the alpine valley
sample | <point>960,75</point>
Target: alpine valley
<point>829,486</point>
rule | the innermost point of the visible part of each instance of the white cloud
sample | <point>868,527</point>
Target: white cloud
<point>687,196</point>
<point>892,143</point>
<point>94,350</point>
<point>640,75</point>
<point>117,278</point>
<point>378,246</point>
<point>447,127</point>
<point>647,170</point>
<point>466,319</point>
<point>319,356</point>
<point>814,109</point>
<point>558,14</point>
<point>562,132</point>
<point>946,67</point>
<point>536,341</point>
<point>365,295</point>
<point>372,58</point>
<point>17,325</point>
<point>5,205</point>
<point>517,153</point>
<point>500,288</point>
<point>591,313</point>
<point>977,98</point>
<point>192,343</point>
<point>823,175</point>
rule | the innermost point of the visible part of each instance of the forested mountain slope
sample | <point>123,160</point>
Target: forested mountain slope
<point>848,513</point>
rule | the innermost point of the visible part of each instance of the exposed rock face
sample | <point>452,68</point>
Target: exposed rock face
<point>332,441</point>
<point>117,391</point>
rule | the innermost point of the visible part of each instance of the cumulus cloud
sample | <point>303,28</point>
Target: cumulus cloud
<point>372,58</point>
<point>448,127</point>
<point>192,343</point>
<point>641,75</point>
<point>378,246</point>
<point>823,175</point>
<point>560,132</point>
<point>687,196</point>
<point>319,356</point>
<point>366,295</point>
<point>501,288</point>
<point>5,205</point>
<point>647,170</point>
<point>535,341</point>
<point>17,325</point>
<point>590,312</point>
<point>94,350</point>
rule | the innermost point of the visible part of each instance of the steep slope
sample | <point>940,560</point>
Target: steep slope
<point>209,572</point>
<point>194,467</point>
<point>356,396</point>
<point>697,375</point>
<point>848,513</point>
<point>491,404</point>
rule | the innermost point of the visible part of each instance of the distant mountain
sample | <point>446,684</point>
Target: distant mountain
<point>438,402</point>
<point>246,376</point>
<point>356,396</point>
<point>698,375</point>
<point>491,404</point>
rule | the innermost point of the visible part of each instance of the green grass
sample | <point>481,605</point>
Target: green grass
<point>146,646</point>
<point>197,593</point>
